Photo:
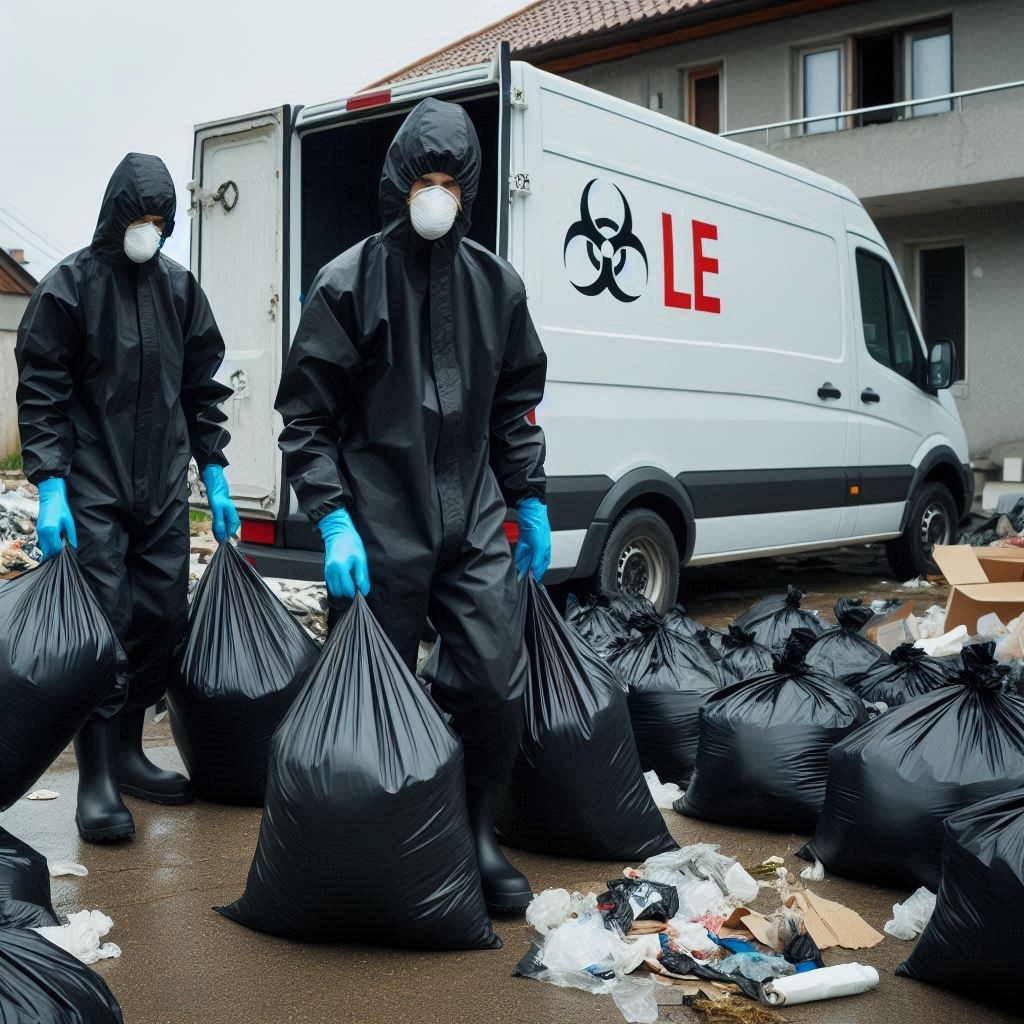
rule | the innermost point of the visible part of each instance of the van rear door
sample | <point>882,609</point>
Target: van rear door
<point>240,174</point>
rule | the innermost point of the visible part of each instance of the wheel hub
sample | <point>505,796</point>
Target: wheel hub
<point>934,526</point>
<point>639,569</point>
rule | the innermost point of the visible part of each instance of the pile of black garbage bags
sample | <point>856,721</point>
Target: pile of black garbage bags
<point>905,770</point>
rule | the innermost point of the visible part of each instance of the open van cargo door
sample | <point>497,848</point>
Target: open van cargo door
<point>240,172</point>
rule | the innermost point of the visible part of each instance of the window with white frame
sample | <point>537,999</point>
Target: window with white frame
<point>821,78</point>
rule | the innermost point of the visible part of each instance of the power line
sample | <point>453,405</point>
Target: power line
<point>46,251</point>
<point>23,219</point>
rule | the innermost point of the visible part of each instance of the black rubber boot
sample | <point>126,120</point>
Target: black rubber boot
<point>137,775</point>
<point>101,816</point>
<point>506,890</point>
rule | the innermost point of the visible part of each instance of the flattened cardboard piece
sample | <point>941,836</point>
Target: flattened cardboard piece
<point>831,924</point>
<point>959,564</point>
<point>983,581</point>
<point>893,634</point>
<point>757,924</point>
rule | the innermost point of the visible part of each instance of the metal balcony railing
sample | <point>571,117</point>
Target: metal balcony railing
<point>844,119</point>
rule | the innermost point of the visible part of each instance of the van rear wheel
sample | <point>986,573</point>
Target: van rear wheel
<point>640,557</point>
<point>932,520</point>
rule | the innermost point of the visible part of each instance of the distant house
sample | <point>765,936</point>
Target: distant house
<point>917,106</point>
<point>16,285</point>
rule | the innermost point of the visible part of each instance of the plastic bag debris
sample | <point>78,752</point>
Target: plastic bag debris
<point>826,983</point>
<point>945,645</point>
<point>630,900</point>
<point>59,869</point>
<point>24,885</point>
<point>893,782</point>
<point>636,1000</point>
<point>43,794</point>
<point>762,761</point>
<point>702,861</point>
<point>59,662</point>
<point>576,788</point>
<point>773,619</point>
<point>742,656</point>
<point>757,966</point>
<point>40,983</point>
<point>665,794</point>
<point>366,782</point>
<point>842,653</point>
<point>933,623</point>
<point>909,673</point>
<point>917,583</point>
<point>991,627</point>
<point>553,907</point>
<point>815,873</point>
<point>1011,647</point>
<point>910,917</point>
<point>83,936</point>
<point>670,678</point>
<point>242,664</point>
<point>968,944</point>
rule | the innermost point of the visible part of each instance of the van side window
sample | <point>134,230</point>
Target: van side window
<point>889,332</point>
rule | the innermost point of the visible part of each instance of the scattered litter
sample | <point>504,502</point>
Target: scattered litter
<point>946,645</point>
<point>43,794</point>
<point>768,866</point>
<point>932,624</point>
<point>918,583</point>
<point>826,983</point>
<point>637,1001</point>
<point>815,873</point>
<point>665,793</point>
<point>82,936</point>
<point>58,869</point>
<point>991,627</point>
<point>909,918</point>
<point>728,1011</point>
<point>554,907</point>
<point>831,924</point>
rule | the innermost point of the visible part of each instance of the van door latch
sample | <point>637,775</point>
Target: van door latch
<point>517,98</point>
<point>519,183</point>
<point>829,390</point>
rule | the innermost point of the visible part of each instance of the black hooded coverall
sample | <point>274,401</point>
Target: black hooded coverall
<point>116,393</point>
<point>405,399</point>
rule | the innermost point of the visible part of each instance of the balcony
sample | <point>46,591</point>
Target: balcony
<point>968,155</point>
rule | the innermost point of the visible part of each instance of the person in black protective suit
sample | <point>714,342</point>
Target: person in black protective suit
<point>116,355</point>
<point>405,401</point>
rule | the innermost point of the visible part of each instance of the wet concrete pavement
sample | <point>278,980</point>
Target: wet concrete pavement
<point>184,964</point>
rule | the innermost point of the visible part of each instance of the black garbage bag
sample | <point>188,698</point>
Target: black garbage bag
<point>41,984</point>
<point>24,886</point>
<point>677,619</point>
<point>743,657</point>
<point>772,619</point>
<point>762,761</point>
<point>577,788</point>
<point>891,785</point>
<point>908,674</point>
<point>365,835</point>
<point>596,622</point>
<point>972,942</point>
<point>242,664</point>
<point>625,606</point>
<point>59,662</point>
<point>842,652</point>
<point>630,900</point>
<point>670,678</point>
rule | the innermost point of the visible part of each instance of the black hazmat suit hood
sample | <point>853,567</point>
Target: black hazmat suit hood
<point>116,393</point>
<point>405,399</point>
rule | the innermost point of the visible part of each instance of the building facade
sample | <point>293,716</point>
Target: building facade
<point>836,86</point>
<point>16,286</point>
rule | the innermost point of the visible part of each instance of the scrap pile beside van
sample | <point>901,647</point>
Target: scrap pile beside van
<point>867,750</point>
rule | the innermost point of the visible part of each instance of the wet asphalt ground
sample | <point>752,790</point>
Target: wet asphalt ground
<point>184,964</point>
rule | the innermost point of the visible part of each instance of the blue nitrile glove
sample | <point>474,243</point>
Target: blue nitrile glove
<point>345,565</point>
<point>225,518</point>
<point>54,519</point>
<point>533,551</point>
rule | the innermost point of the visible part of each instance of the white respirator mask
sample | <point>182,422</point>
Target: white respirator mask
<point>433,211</point>
<point>142,243</point>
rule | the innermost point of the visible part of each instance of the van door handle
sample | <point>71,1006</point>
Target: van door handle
<point>829,390</point>
<point>868,395</point>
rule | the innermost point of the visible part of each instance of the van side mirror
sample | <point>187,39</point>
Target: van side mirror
<point>941,364</point>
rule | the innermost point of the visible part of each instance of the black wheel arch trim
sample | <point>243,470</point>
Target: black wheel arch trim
<point>943,456</point>
<point>631,489</point>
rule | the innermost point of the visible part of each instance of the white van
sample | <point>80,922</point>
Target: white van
<point>734,370</point>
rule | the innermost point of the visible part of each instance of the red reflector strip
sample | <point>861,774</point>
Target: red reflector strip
<point>512,532</point>
<point>258,531</point>
<point>368,99</point>
<point>531,416</point>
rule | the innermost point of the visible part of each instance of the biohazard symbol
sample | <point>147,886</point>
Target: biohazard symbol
<point>601,253</point>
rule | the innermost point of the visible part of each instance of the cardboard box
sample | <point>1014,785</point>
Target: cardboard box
<point>874,626</point>
<point>983,580</point>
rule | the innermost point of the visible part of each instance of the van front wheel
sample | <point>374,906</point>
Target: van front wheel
<point>641,557</point>
<point>932,520</point>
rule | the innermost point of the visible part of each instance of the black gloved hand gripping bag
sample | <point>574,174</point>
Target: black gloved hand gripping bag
<point>24,886</point>
<point>577,789</point>
<point>242,664</point>
<point>968,945</point>
<point>365,836</point>
<point>670,677</point>
<point>762,759</point>
<point>842,653</point>
<point>893,783</point>
<point>42,984</point>
<point>59,663</point>
<point>773,619</point>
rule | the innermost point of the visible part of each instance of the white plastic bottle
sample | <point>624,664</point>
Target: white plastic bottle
<point>824,983</point>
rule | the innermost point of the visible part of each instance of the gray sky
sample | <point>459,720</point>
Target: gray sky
<point>86,83</point>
